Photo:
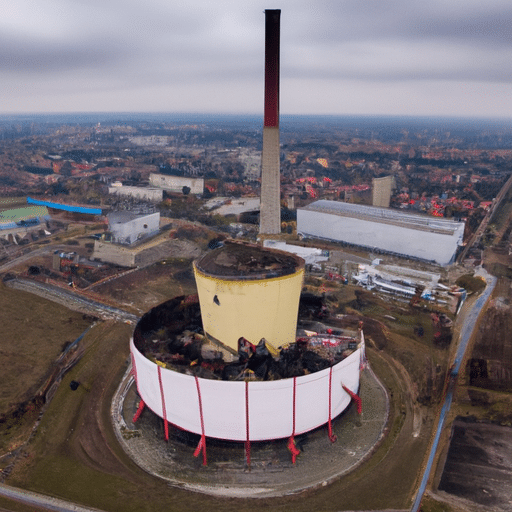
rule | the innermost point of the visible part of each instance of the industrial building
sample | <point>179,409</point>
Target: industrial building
<point>310,255</point>
<point>414,236</point>
<point>127,227</point>
<point>152,194</point>
<point>176,183</point>
<point>382,188</point>
<point>236,357</point>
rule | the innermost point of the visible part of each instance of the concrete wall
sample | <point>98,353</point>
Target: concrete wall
<point>270,207</point>
<point>423,244</point>
<point>254,309</point>
<point>115,254</point>
<point>224,404</point>
<point>176,183</point>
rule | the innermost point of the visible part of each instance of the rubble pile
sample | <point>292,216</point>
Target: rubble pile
<point>171,335</point>
<point>193,354</point>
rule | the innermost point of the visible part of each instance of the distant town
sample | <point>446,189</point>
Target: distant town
<point>449,169</point>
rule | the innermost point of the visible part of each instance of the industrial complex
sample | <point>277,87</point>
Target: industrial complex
<point>230,359</point>
<point>392,231</point>
<point>243,371</point>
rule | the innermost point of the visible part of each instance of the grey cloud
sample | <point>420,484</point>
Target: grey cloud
<point>406,19</point>
<point>23,57</point>
<point>489,29</point>
<point>111,45</point>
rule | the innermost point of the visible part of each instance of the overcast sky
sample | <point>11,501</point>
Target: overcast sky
<point>371,57</point>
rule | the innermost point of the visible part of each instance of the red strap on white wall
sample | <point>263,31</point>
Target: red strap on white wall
<point>291,442</point>
<point>164,412</point>
<point>202,442</point>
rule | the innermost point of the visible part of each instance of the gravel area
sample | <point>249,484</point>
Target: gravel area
<point>272,472</point>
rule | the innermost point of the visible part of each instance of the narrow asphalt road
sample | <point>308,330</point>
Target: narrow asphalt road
<point>41,501</point>
<point>71,299</point>
<point>465,336</point>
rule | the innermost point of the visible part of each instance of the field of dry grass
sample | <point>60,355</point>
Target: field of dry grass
<point>34,333</point>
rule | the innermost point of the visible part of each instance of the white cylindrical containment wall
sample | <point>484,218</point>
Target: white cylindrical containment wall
<point>270,403</point>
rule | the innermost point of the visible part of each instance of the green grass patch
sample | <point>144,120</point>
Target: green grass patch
<point>428,504</point>
<point>470,283</point>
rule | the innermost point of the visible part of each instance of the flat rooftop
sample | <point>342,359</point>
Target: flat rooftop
<point>247,261</point>
<point>120,217</point>
<point>386,216</point>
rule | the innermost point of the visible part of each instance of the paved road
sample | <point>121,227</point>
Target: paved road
<point>465,336</point>
<point>39,500</point>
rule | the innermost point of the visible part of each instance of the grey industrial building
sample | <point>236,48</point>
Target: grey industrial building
<point>415,236</point>
<point>127,227</point>
<point>382,188</point>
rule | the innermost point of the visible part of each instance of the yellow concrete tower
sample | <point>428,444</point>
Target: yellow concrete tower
<point>251,292</point>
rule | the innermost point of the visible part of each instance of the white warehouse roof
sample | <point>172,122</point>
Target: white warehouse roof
<point>417,236</point>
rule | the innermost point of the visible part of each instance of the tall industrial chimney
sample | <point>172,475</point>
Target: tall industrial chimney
<point>270,206</point>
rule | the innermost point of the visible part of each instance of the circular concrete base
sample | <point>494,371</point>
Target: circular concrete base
<point>271,472</point>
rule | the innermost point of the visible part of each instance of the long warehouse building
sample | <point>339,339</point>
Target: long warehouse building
<point>410,235</point>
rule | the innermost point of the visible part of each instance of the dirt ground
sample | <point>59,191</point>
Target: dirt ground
<point>160,282</point>
<point>29,347</point>
<point>75,455</point>
<point>479,464</point>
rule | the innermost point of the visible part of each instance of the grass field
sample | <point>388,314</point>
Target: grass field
<point>33,334</point>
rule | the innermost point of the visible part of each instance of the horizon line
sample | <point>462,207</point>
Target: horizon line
<point>253,114</point>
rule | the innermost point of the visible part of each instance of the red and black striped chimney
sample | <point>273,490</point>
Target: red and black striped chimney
<point>270,206</point>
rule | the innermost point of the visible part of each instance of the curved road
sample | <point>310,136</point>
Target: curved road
<point>465,336</point>
<point>71,299</point>
<point>41,501</point>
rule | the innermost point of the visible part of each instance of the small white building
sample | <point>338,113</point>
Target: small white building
<point>127,227</point>
<point>176,183</point>
<point>311,255</point>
